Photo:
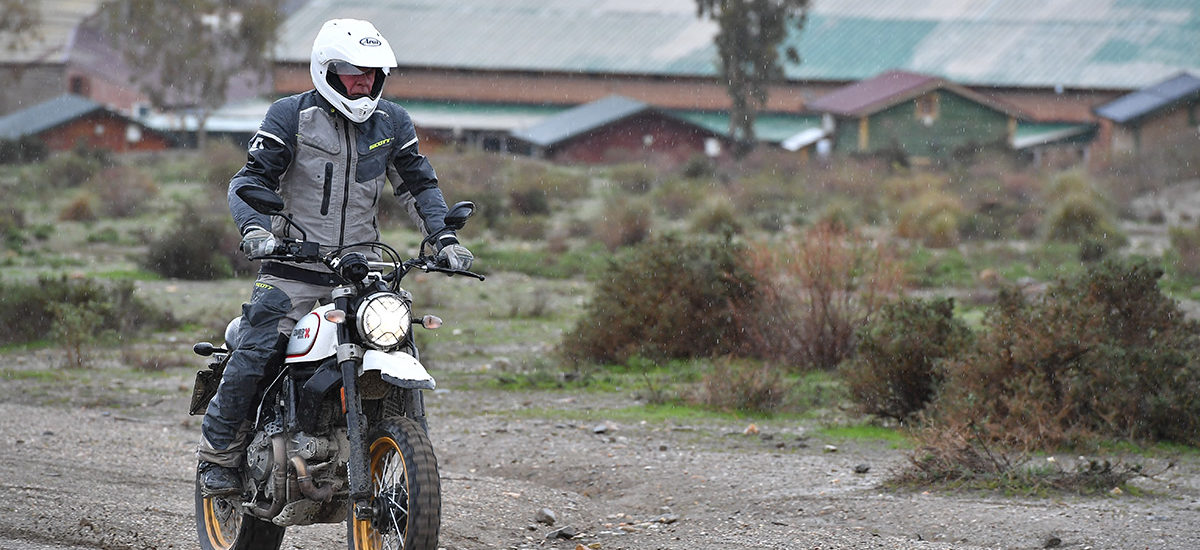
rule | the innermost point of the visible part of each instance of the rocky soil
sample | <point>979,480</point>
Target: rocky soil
<point>107,463</point>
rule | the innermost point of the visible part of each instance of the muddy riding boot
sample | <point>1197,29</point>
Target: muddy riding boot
<point>217,480</point>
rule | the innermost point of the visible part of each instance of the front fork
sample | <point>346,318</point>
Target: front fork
<point>350,357</point>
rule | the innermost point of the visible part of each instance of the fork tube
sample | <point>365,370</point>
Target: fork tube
<point>349,358</point>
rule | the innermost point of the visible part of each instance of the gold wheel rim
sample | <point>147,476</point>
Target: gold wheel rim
<point>383,473</point>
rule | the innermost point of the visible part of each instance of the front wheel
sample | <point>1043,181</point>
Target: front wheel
<point>406,494</point>
<point>221,525</point>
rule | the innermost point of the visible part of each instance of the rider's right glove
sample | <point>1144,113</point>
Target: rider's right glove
<point>258,242</point>
<point>454,255</point>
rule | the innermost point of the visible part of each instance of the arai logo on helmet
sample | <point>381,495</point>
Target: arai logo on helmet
<point>370,41</point>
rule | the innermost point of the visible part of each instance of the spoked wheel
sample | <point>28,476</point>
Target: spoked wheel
<point>406,501</point>
<point>221,525</point>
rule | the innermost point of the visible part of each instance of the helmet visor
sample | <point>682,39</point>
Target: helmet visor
<point>346,69</point>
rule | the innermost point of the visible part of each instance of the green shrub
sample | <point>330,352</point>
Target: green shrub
<point>932,218</point>
<point>1079,217</point>
<point>203,245</point>
<point>26,149</point>
<point>666,298</point>
<point>1105,355</point>
<point>12,225</point>
<point>716,217</point>
<point>531,187</point>
<point>28,309</point>
<point>893,373</point>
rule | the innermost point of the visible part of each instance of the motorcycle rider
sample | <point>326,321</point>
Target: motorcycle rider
<point>327,152</point>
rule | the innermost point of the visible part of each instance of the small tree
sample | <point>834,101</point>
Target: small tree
<point>19,22</point>
<point>186,54</point>
<point>748,43</point>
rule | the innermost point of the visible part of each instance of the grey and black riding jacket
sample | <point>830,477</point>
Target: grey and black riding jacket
<point>331,172</point>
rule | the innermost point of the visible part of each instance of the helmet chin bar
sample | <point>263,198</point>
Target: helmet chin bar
<point>356,109</point>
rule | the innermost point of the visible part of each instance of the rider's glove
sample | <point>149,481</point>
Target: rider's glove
<point>454,255</point>
<point>258,242</point>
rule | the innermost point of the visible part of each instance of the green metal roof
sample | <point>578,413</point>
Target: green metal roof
<point>1032,134</point>
<point>46,115</point>
<point>1117,44</point>
<point>768,127</point>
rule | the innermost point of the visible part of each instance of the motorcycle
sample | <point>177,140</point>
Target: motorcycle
<point>340,431</point>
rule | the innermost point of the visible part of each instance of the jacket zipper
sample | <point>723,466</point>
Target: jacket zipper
<point>346,190</point>
<point>328,188</point>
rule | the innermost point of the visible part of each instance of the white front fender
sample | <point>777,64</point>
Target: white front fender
<point>398,368</point>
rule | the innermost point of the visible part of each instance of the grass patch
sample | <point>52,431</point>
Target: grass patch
<point>896,439</point>
<point>536,262</point>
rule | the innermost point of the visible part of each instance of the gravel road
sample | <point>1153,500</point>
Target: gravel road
<point>116,473</point>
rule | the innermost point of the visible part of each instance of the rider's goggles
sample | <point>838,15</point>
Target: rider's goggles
<point>347,69</point>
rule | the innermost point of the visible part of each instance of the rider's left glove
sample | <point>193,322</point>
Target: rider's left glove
<point>258,242</point>
<point>454,255</point>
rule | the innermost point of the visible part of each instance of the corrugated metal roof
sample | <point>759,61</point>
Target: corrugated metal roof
<point>577,120</point>
<point>768,127</point>
<point>1149,100</point>
<point>1118,44</point>
<point>883,91</point>
<point>45,115</point>
<point>874,93</point>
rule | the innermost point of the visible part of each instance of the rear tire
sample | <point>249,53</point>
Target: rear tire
<point>406,491</point>
<point>221,525</point>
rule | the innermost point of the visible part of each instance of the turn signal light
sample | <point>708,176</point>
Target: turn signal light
<point>335,316</point>
<point>431,322</point>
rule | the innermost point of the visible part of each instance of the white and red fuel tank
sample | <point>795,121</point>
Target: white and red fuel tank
<point>312,338</point>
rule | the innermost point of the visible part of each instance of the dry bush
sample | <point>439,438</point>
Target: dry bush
<point>623,222</point>
<point>122,190</point>
<point>532,186</point>
<point>525,228</point>
<point>81,209</point>
<point>637,179</point>
<point>894,371</point>
<point>814,293</point>
<point>1106,355</point>
<point>1185,241</point>
<point>219,161</point>
<point>666,298</point>
<point>72,168</point>
<point>957,456</point>
<point>739,385</point>
<point>676,198</point>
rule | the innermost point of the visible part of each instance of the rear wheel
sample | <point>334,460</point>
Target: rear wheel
<point>406,494</point>
<point>221,525</point>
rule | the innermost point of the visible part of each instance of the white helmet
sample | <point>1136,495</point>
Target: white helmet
<point>341,45</point>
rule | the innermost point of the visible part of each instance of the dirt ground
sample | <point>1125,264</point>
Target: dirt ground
<point>103,459</point>
<point>107,463</point>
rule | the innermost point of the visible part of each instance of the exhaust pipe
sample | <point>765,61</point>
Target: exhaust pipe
<point>307,487</point>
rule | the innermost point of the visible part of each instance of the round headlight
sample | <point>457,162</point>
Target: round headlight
<point>383,320</point>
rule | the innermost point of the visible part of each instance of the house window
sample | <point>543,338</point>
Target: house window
<point>927,108</point>
<point>79,85</point>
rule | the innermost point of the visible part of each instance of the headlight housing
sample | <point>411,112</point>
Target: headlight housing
<point>383,320</point>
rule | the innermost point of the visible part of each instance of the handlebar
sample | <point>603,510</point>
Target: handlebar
<point>293,250</point>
